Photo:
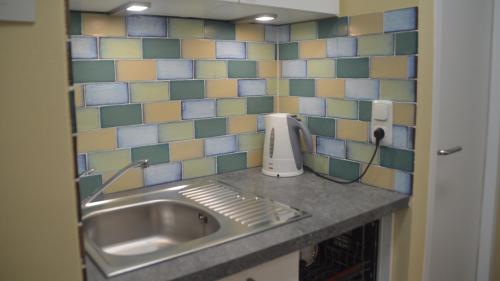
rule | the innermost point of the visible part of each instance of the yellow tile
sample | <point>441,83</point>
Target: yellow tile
<point>162,111</point>
<point>324,68</point>
<point>176,131</point>
<point>120,48</point>
<point>198,49</point>
<point>222,88</point>
<point>249,32</point>
<point>366,24</point>
<point>136,70</point>
<point>87,118</point>
<point>149,91</point>
<point>303,31</point>
<point>395,67</point>
<point>288,104</point>
<point>78,90</point>
<point>260,51</point>
<point>211,69</point>
<point>331,88</point>
<point>132,179</point>
<point>198,167</point>
<point>102,25</point>
<point>379,176</point>
<point>96,140</point>
<point>112,160</point>
<point>186,150</point>
<point>352,130</point>
<point>254,158</point>
<point>284,87</point>
<point>312,49</point>
<point>242,124</point>
<point>404,114</point>
<point>268,69</point>
<point>227,107</point>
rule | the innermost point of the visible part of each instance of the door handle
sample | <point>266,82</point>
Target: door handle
<point>449,151</point>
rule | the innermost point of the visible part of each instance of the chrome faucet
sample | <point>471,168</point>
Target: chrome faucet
<point>141,163</point>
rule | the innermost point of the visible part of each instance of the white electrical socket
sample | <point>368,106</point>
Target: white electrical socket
<point>382,118</point>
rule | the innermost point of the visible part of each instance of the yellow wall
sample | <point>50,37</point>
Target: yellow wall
<point>38,219</point>
<point>495,270</point>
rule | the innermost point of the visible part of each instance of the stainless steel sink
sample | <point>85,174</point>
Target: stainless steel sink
<point>161,223</point>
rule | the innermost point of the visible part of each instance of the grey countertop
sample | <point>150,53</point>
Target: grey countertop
<point>334,208</point>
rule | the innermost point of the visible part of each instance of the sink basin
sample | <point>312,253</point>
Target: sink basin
<point>151,225</point>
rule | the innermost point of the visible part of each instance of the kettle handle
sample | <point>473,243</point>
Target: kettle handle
<point>307,135</point>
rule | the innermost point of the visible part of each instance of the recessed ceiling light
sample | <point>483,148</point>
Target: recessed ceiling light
<point>137,8</point>
<point>264,18</point>
<point>131,7</point>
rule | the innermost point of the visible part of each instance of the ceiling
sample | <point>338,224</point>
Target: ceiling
<point>208,9</point>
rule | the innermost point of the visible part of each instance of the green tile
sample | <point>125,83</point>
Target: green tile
<point>353,68</point>
<point>219,30</point>
<point>75,23</point>
<point>376,45</point>
<point>185,28</point>
<point>231,162</point>
<point>398,90</point>
<point>342,108</point>
<point>365,110</point>
<point>301,87</point>
<point>321,126</point>
<point>211,69</point>
<point>88,185</point>
<point>249,142</point>
<point>318,163</point>
<point>226,107</point>
<point>121,115</point>
<point>153,48</point>
<point>242,69</point>
<point>93,71</point>
<point>288,51</point>
<point>198,168</point>
<point>362,152</point>
<point>343,169</point>
<point>332,27</point>
<point>396,158</point>
<point>187,89</point>
<point>206,128</point>
<point>303,31</point>
<point>407,43</point>
<point>155,154</point>
<point>176,131</point>
<point>257,105</point>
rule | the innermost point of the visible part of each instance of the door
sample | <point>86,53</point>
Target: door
<point>460,112</point>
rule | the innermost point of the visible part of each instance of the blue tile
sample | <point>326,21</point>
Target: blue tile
<point>341,47</point>
<point>163,173</point>
<point>277,34</point>
<point>331,147</point>
<point>220,145</point>
<point>403,182</point>
<point>230,50</point>
<point>82,163</point>
<point>293,69</point>
<point>312,106</point>
<point>251,87</point>
<point>83,47</point>
<point>362,89</point>
<point>412,67</point>
<point>400,137</point>
<point>106,93</point>
<point>411,138</point>
<point>261,124</point>
<point>133,136</point>
<point>192,109</point>
<point>405,19</point>
<point>146,26</point>
<point>174,69</point>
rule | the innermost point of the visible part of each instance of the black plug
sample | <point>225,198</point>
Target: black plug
<point>379,134</point>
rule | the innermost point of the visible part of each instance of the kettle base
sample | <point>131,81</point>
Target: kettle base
<point>282,174</point>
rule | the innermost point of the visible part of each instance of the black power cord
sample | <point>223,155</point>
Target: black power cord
<point>379,134</point>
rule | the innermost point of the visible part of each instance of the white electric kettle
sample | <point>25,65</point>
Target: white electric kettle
<point>282,155</point>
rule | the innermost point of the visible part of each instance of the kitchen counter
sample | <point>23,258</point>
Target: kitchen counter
<point>335,209</point>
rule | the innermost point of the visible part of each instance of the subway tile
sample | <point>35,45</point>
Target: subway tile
<point>242,124</point>
<point>146,26</point>
<point>316,162</point>
<point>120,115</point>
<point>277,34</point>
<point>294,69</point>
<point>155,154</point>
<point>133,136</point>
<point>400,137</point>
<point>251,87</point>
<point>83,47</point>
<point>176,131</point>
<point>407,43</point>
<point>394,67</point>
<point>312,106</point>
<point>187,89</point>
<point>284,33</point>
<point>88,185</point>
<point>362,89</point>
<point>96,140</point>
<point>330,147</point>
<point>75,23</point>
<point>362,152</point>
<point>193,109</point>
<point>249,142</point>
<point>332,88</point>
<point>343,169</point>
<point>149,91</point>
<point>332,27</point>
<point>288,51</point>
<point>398,20</point>
<point>353,68</point>
<point>366,24</point>
<point>230,50</point>
<point>156,48</point>
<point>411,138</point>
<point>78,95</point>
<point>185,28</point>
<point>261,51</point>
<point>166,111</point>
<point>324,68</point>
<point>198,49</point>
<point>174,69</point>
<point>341,47</point>
<point>267,69</point>
<point>261,124</point>
<point>257,105</point>
<point>220,145</point>
<point>231,162</point>
<point>321,126</point>
<point>403,182</point>
<point>211,69</point>
<point>81,163</point>
<point>87,118</point>
<point>113,160</point>
<point>275,87</point>
<point>249,32</point>
<point>302,87</point>
<point>135,70</point>
<point>288,104</point>
<point>412,66</point>
<point>219,30</point>
<point>120,48</point>
<point>102,25</point>
<point>106,93</point>
<point>303,31</point>
<point>242,69</point>
<point>376,45</point>
<point>213,127</point>
<point>379,177</point>
<point>162,173</point>
<point>342,108</point>
<point>365,110</point>
<point>184,150</point>
<point>222,88</point>
<point>254,158</point>
<point>312,49</point>
<point>404,114</point>
<point>352,130</point>
<point>198,167</point>
<point>227,107</point>
<point>93,71</point>
<point>132,179</point>
<point>284,87</point>
<point>396,158</point>
<point>398,90</point>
